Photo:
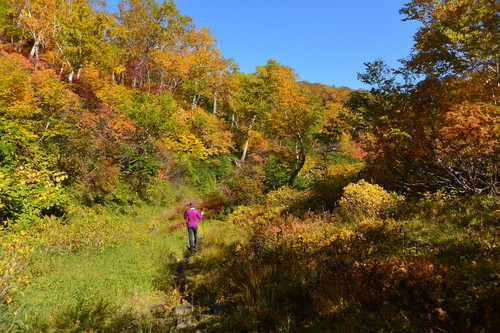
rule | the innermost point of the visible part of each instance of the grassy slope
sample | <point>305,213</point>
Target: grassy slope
<point>123,280</point>
<point>440,252</point>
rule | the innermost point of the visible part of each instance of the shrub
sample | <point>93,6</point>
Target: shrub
<point>160,192</point>
<point>362,200</point>
<point>326,192</point>
<point>206,174</point>
<point>277,172</point>
<point>245,185</point>
<point>27,193</point>
<point>475,211</point>
<point>285,198</point>
<point>12,255</point>
<point>85,230</point>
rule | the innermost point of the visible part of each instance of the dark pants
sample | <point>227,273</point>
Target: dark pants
<point>193,237</point>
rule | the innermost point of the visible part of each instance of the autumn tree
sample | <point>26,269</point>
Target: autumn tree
<point>35,108</point>
<point>411,114</point>
<point>83,38</point>
<point>458,40</point>
<point>38,20</point>
<point>146,26</point>
<point>250,103</point>
<point>289,118</point>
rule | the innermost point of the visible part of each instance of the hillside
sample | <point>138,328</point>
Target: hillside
<point>328,209</point>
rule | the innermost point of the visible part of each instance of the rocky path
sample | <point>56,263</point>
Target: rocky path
<point>182,276</point>
<point>183,281</point>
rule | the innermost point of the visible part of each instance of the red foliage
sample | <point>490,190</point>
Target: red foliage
<point>106,124</point>
<point>176,226</point>
<point>163,172</point>
<point>256,157</point>
<point>471,129</point>
<point>215,206</point>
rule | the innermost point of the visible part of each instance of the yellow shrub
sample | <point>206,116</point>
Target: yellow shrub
<point>362,201</point>
<point>283,198</point>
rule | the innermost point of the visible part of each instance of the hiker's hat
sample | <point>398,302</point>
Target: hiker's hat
<point>192,204</point>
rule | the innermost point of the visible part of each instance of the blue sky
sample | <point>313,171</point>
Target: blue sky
<point>325,41</point>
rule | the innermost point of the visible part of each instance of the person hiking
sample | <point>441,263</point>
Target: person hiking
<point>192,215</point>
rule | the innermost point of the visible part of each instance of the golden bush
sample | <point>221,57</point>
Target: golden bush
<point>363,200</point>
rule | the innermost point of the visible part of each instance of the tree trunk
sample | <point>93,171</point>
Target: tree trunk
<point>245,148</point>
<point>70,76</point>
<point>35,48</point>
<point>194,102</point>
<point>301,160</point>
<point>215,103</point>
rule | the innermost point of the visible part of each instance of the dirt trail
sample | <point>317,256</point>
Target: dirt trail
<point>185,271</point>
<point>182,276</point>
<point>183,280</point>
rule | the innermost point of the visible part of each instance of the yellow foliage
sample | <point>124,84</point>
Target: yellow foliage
<point>362,200</point>
<point>188,143</point>
<point>349,147</point>
<point>344,169</point>
<point>114,94</point>
<point>284,196</point>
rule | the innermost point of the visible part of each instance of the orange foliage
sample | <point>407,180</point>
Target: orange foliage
<point>471,129</point>
<point>106,124</point>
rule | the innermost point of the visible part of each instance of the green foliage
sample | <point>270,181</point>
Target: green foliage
<point>89,231</point>
<point>13,254</point>
<point>161,192</point>
<point>277,172</point>
<point>123,196</point>
<point>154,113</point>
<point>13,141</point>
<point>26,193</point>
<point>200,174</point>
<point>6,11</point>
<point>327,191</point>
<point>245,185</point>
<point>221,166</point>
<point>206,174</point>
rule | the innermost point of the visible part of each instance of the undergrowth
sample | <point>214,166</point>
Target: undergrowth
<point>423,270</point>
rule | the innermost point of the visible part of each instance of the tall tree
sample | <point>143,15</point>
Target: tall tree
<point>458,38</point>
<point>145,26</point>
<point>252,98</point>
<point>83,37</point>
<point>39,21</point>
<point>290,117</point>
<point>452,74</point>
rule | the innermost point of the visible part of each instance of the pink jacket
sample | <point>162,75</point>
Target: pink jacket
<point>192,216</point>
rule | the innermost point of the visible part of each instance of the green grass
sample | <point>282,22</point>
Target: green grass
<point>119,283</point>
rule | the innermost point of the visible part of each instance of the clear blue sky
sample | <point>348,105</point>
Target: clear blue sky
<point>325,41</point>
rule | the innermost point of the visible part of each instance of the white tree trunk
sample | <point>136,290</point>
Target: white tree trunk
<point>35,48</point>
<point>215,103</point>
<point>245,148</point>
